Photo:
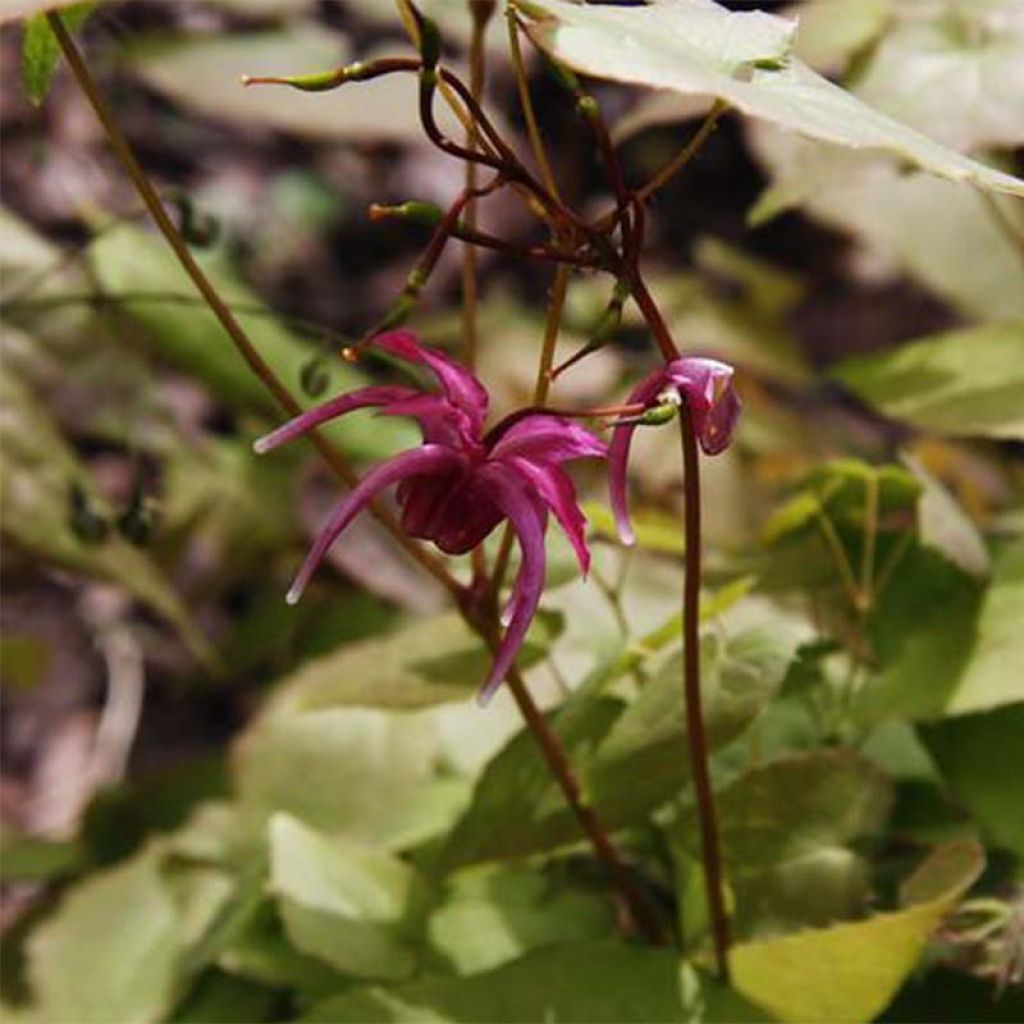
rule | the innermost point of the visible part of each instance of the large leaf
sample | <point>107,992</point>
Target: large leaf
<point>378,741</point>
<point>37,471</point>
<point>949,647</point>
<point>128,261</point>
<point>979,756</point>
<point>698,47</point>
<point>968,382</point>
<point>915,223</point>
<point>111,951</point>
<point>588,983</point>
<point>644,760</point>
<point>343,903</point>
<point>958,76</point>
<point>494,915</point>
<point>203,72</point>
<point>849,973</point>
<point>788,828</point>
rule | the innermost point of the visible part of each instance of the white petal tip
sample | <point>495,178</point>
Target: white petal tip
<point>293,595</point>
<point>260,446</point>
<point>628,539</point>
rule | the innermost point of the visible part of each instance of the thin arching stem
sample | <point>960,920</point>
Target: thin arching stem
<point>217,305</point>
<point>526,103</point>
<point>711,854</point>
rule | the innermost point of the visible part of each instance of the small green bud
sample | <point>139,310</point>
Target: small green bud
<point>414,211</point>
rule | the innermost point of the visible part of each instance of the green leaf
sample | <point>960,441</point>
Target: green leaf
<point>203,73</point>
<point>948,647</point>
<point>36,473</point>
<point>839,489</point>
<point>385,730</point>
<point>964,383</point>
<point>492,916</point>
<point>787,829</point>
<point>517,807</point>
<point>588,983</point>
<point>26,858</point>
<point>698,47</point>
<point>978,755</point>
<point>226,1000</point>
<point>343,903</point>
<point>851,972</point>
<point>955,75</point>
<point>111,951</point>
<point>643,760</point>
<point>926,227</point>
<point>128,262</point>
<point>945,526</point>
<point>40,51</point>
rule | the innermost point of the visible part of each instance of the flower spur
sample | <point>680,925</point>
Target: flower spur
<point>706,388</point>
<point>461,482</point>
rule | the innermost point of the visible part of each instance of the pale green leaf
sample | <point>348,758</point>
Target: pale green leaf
<point>342,902</point>
<point>204,73</point>
<point>643,761</point>
<point>128,261</point>
<point>913,223</point>
<point>945,526</point>
<point>832,31</point>
<point>948,646</point>
<point>849,973</point>
<point>696,46</point>
<point>37,471</point>
<point>586,983</point>
<point>789,829</point>
<point>494,915</point>
<point>958,76</point>
<point>964,383</point>
<point>111,951</point>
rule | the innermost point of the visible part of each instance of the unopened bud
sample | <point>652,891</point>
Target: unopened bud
<point>86,524</point>
<point>413,211</point>
<point>314,377</point>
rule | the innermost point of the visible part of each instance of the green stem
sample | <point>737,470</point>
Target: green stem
<point>711,854</point>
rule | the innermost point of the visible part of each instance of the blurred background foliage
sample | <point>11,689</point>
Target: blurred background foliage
<point>217,807</point>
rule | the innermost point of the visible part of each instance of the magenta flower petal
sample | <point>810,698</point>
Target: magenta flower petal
<point>707,385</point>
<point>430,458</point>
<point>546,438</point>
<point>618,455</point>
<point>360,399</point>
<point>528,522</point>
<point>558,493</point>
<point>440,421</point>
<point>461,387</point>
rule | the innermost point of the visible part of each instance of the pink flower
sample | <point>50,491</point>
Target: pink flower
<point>706,387</point>
<point>457,486</point>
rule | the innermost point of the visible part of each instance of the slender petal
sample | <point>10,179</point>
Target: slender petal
<point>440,421</point>
<point>618,456</point>
<point>546,438</point>
<point>429,458</point>
<point>461,386</point>
<point>528,522</point>
<point>338,406</point>
<point>558,493</point>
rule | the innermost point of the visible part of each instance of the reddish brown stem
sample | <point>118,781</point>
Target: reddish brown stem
<point>696,734</point>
